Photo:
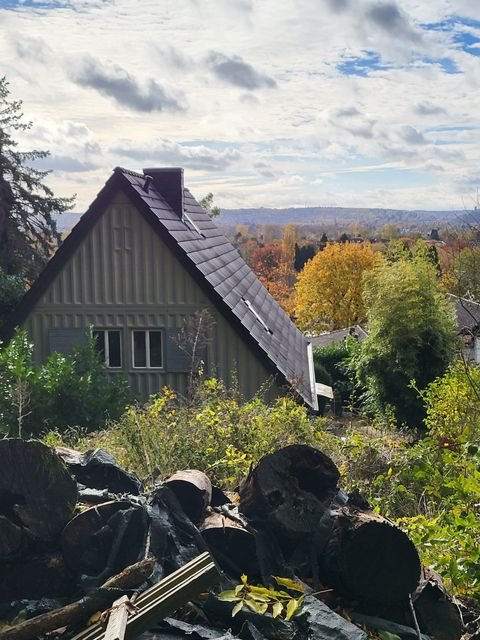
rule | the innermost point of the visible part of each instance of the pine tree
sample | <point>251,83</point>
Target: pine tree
<point>28,232</point>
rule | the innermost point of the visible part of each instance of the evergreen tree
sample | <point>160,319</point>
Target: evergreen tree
<point>28,232</point>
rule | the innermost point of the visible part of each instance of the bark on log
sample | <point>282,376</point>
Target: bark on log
<point>77,612</point>
<point>291,489</point>
<point>37,494</point>
<point>437,613</point>
<point>369,558</point>
<point>104,539</point>
<point>36,576</point>
<point>231,544</point>
<point>193,490</point>
<point>11,538</point>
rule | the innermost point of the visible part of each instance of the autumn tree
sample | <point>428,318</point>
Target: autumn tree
<point>411,340</point>
<point>270,266</point>
<point>328,293</point>
<point>28,232</point>
<point>463,277</point>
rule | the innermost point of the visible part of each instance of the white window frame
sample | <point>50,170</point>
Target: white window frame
<point>106,346</point>
<point>147,348</point>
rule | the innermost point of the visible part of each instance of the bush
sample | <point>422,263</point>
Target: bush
<point>62,392</point>
<point>453,405</point>
<point>215,432</point>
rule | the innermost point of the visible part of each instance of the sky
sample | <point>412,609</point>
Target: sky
<point>365,103</point>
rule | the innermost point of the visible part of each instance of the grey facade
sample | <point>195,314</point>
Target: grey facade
<point>143,260</point>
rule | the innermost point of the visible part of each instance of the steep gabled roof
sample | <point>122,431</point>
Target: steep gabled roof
<point>215,265</point>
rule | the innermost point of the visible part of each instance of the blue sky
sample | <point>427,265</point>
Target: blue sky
<point>348,102</point>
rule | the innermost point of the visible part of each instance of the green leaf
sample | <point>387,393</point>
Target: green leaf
<point>239,588</point>
<point>228,596</point>
<point>293,585</point>
<point>292,608</point>
<point>259,597</point>
<point>257,607</point>
<point>277,609</point>
<point>237,608</point>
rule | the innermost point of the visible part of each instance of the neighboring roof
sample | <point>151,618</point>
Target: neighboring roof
<point>325,339</point>
<point>468,313</point>
<point>213,262</point>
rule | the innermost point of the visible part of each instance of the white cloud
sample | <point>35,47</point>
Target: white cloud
<point>150,90</point>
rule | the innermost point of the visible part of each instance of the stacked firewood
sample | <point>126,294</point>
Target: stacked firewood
<point>69,522</point>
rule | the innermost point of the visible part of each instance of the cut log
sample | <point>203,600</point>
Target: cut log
<point>11,538</point>
<point>291,489</point>
<point>368,558</point>
<point>437,613</point>
<point>231,544</point>
<point>104,539</point>
<point>79,611</point>
<point>36,576</point>
<point>37,494</point>
<point>193,490</point>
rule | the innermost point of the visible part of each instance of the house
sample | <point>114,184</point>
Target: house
<point>468,320</point>
<point>328,338</point>
<point>142,263</point>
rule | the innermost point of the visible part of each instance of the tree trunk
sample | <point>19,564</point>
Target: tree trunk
<point>231,544</point>
<point>37,494</point>
<point>291,489</point>
<point>368,558</point>
<point>193,490</point>
<point>437,613</point>
<point>36,576</point>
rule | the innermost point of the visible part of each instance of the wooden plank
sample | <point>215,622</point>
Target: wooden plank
<point>164,598</point>
<point>117,620</point>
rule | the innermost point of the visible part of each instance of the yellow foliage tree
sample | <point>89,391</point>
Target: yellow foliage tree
<point>328,293</point>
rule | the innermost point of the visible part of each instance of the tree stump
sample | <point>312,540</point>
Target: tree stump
<point>437,613</point>
<point>231,544</point>
<point>37,494</point>
<point>193,490</point>
<point>291,489</point>
<point>369,558</point>
<point>36,576</point>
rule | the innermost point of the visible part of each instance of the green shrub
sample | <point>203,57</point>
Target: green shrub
<point>62,392</point>
<point>453,405</point>
<point>215,432</point>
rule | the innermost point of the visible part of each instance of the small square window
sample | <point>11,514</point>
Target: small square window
<point>109,345</point>
<point>147,349</point>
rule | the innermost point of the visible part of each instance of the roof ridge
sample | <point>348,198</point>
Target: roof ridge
<point>129,172</point>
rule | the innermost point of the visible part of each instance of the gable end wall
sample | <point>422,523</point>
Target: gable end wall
<point>123,276</point>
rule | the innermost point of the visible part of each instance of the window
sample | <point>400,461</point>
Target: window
<point>147,349</point>
<point>108,344</point>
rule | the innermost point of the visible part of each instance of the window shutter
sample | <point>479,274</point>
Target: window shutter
<point>177,360</point>
<point>64,340</point>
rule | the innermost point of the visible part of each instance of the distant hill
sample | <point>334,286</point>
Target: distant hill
<point>313,215</point>
<point>342,215</point>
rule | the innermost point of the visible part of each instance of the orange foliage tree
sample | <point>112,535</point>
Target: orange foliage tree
<point>329,289</point>
<point>274,273</point>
